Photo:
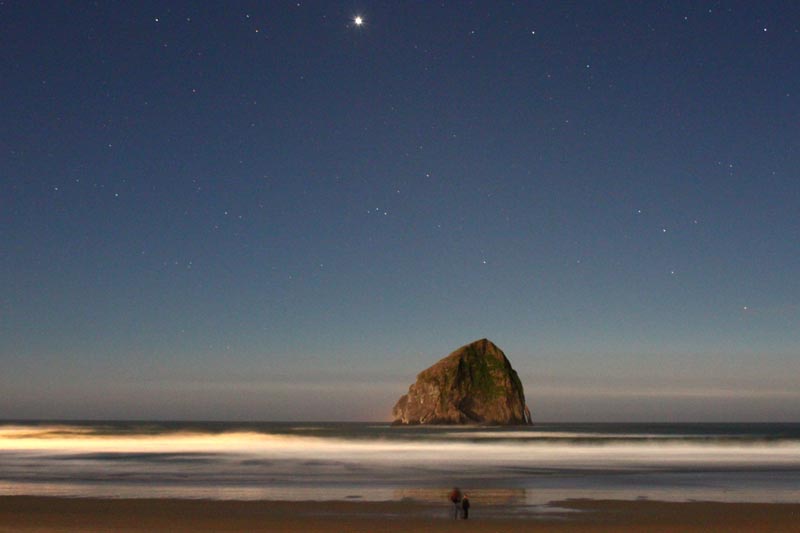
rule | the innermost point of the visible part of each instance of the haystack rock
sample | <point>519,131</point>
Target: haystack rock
<point>473,385</point>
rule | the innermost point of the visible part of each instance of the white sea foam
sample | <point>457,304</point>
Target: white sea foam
<point>455,449</point>
<point>273,461</point>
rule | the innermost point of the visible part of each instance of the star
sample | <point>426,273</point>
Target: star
<point>358,20</point>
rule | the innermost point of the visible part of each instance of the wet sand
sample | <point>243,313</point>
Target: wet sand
<point>29,514</point>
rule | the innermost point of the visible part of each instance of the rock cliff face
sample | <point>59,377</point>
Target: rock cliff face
<point>473,385</point>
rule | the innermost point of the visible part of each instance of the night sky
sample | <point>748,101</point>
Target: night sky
<point>268,211</point>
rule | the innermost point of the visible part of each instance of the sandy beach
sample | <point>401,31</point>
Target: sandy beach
<point>28,514</point>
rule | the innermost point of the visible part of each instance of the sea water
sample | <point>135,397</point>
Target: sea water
<point>355,461</point>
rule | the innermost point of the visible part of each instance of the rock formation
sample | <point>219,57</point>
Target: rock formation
<point>473,385</point>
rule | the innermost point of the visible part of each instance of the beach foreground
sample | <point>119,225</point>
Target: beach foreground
<point>24,513</point>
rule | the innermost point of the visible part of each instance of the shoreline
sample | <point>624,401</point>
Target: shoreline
<point>46,513</point>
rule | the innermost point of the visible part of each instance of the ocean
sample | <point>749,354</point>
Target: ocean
<point>523,466</point>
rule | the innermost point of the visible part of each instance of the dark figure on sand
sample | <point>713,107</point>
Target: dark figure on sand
<point>455,498</point>
<point>465,507</point>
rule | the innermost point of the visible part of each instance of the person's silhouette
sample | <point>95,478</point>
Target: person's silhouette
<point>455,499</point>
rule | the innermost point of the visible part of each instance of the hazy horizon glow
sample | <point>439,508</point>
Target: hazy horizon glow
<point>271,212</point>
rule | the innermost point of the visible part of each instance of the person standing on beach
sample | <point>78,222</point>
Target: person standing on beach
<point>465,507</point>
<point>455,498</point>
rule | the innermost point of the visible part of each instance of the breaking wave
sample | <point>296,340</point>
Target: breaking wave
<point>199,460</point>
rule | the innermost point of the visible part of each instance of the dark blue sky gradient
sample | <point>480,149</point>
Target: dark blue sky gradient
<point>258,210</point>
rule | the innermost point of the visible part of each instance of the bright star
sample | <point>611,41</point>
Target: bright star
<point>358,21</point>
